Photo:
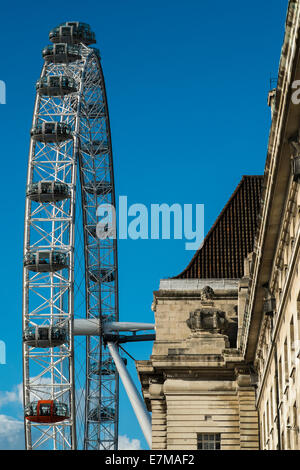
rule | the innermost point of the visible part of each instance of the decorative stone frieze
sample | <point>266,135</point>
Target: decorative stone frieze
<point>207,319</point>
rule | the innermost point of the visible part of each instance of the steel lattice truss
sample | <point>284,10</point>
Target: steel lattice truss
<point>84,163</point>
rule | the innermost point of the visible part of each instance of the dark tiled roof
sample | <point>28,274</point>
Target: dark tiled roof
<point>231,238</point>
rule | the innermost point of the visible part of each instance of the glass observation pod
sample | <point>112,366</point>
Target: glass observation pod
<point>56,85</point>
<point>46,411</point>
<point>61,53</point>
<point>108,367</point>
<point>45,261</point>
<point>95,148</point>
<point>102,414</point>
<point>73,32</point>
<point>102,275</point>
<point>45,336</point>
<point>94,111</point>
<point>51,132</point>
<point>98,187</point>
<point>47,191</point>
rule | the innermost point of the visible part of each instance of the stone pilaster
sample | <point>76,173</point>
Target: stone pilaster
<point>249,426</point>
<point>159,417</point>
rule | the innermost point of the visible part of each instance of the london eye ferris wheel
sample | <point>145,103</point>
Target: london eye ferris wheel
<point>71,330</point>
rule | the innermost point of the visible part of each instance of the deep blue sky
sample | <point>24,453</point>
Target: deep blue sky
<point>187,85</point>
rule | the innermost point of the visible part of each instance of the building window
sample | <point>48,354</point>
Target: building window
<point>288,435</point>
<point>292,343</point>
<point>268,420</point>
<point>272,407</point>
<point>280,377</point>
<point>298,319</point>
<point>208,441</point>
<point>264,439</point>
<point>286,363</point>
<point>295,426</point>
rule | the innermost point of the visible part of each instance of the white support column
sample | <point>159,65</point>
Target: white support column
<point>86,327</point>
<point>136,401</point>
<point>127,326</point>
<point>91,327</point>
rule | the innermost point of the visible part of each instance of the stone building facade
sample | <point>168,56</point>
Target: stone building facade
<point>224,371</point>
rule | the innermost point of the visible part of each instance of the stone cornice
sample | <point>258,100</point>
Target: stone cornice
<point>279,315</point>
<point>284,233</point>
<point>194,294</point>
<point>285,123</point>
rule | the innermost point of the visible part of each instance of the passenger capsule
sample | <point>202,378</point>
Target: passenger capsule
<point>98,187</point>
<point>45,261</point>
<point>104,413</point>
<point>61,53</point>
<point>46,412</point>
<point>102,275</point>
<point>73,32</point>
<point>108,367</point>
<point>45,336</point>
<point>47,191</point>
<point>50,132</point>
<point>95,148</point>
<point>56,85</point>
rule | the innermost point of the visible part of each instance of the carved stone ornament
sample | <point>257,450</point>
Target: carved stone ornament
<point>207,293</point>
<point>243,376</point>
<point>207,319</point>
